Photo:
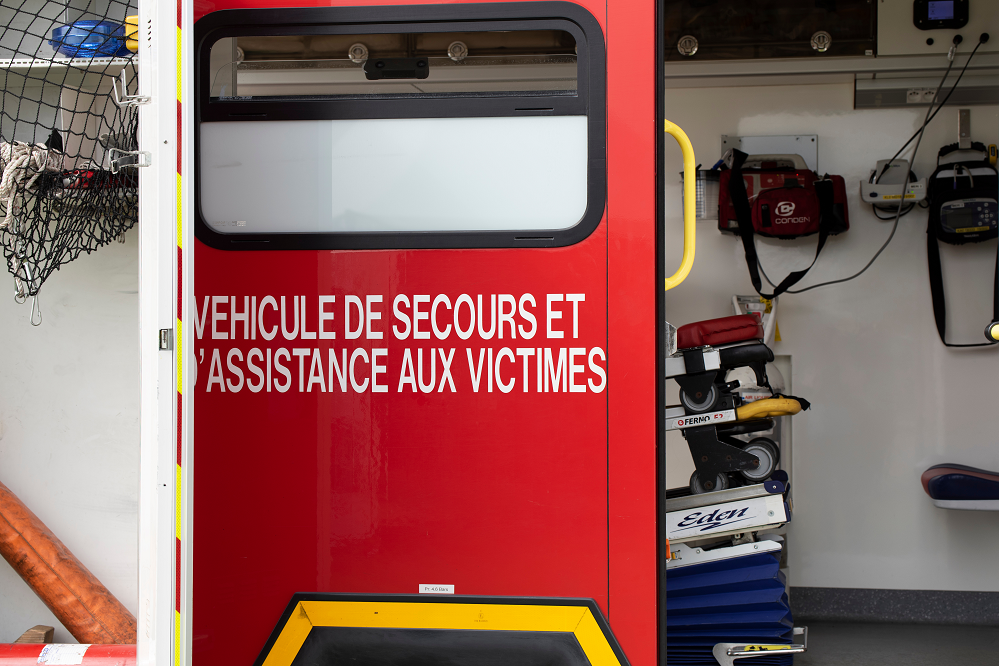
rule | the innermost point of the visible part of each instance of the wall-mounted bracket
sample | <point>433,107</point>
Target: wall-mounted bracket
<point>121,159</point>
<point>964,129</point>
<point>122,98</point>
<point>805,145</point>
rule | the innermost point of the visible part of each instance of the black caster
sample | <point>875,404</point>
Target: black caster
<point>720,482</point>
<point>701,402</point>
<point>768,452</point>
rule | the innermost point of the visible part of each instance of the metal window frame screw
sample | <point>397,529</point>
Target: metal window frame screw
<point>770,513</point>
<point>687,45</point>
<point>821,41</point>
<point>358,53</point>
<point>457,51</point>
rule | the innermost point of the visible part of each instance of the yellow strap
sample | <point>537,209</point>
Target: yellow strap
<point>770,407</point>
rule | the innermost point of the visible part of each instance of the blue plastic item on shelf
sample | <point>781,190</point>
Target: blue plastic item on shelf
<point>743,599</point>
<point>90,39</point>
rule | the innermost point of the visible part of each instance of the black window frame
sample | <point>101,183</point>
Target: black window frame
<point>589,100</point>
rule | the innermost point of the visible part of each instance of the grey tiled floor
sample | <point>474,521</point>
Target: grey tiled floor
<point>848,644</point>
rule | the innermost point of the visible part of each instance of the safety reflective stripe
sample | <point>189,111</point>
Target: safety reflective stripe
<point>577,620</point>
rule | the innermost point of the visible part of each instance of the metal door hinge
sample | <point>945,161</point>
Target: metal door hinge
<point>122,98</point>
<point>121,159</point>
<point>166,339</point>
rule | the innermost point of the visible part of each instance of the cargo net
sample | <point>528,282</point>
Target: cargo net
<point>68,147</point>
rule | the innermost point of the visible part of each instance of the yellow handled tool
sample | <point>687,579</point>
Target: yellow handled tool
<point>132,33</point>
<point>769,407</point>
<point>689,205</point>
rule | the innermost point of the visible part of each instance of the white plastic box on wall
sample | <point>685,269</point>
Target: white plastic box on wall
<point>899,36</point>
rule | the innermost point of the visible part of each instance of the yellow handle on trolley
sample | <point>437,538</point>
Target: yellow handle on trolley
<point>689,205</point>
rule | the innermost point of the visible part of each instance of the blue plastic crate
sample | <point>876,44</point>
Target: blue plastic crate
<point>90,39</point>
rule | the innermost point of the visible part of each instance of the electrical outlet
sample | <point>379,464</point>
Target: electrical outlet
<point>919,96</point>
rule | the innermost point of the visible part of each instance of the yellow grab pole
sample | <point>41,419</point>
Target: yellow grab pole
<point>689,205</point>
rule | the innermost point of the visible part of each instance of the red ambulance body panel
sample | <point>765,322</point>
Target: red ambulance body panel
<point>356,479</point>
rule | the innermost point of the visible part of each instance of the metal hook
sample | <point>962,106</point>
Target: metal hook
<point>123,98</point>
<point>20,294</point>
<point>20,290</point>
<point>36,309</point>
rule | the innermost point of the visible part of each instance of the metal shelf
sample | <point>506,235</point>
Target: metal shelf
<point>721,73</point>
<point>75,72</point>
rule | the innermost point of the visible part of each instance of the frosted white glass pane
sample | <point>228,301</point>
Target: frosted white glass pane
<point>413,174</point>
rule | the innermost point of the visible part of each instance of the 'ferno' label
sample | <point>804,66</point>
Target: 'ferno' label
<point>426,588</point>
<point>692,420</point>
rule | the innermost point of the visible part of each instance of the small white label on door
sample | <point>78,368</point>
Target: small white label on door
<point>426,588</point>
<point>58,654</point>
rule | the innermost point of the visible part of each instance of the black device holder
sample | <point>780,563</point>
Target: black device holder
<point>962,187</point>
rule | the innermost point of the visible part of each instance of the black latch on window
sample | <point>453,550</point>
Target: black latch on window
<point>396,68</point>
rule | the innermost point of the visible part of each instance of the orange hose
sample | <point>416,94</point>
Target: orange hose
<point>85,607</point>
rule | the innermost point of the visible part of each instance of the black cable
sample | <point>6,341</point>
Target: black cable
<point>906,208</point>
<point>947,97</point>
<point>906,211</point>
<point>890,209</point>
<point>905,185</point>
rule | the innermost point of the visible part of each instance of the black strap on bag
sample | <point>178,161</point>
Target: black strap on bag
<point>744,215</point>
<point>937,291</point>
<point>976,146</point>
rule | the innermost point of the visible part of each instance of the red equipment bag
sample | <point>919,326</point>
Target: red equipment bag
<point>779,202</point>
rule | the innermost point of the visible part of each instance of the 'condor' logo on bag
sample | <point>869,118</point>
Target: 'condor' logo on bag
<point>785,208</point>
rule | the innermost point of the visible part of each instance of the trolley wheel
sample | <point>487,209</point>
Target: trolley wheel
<point>769,454</point>
<point>703,405</point>
<point>721,482</point>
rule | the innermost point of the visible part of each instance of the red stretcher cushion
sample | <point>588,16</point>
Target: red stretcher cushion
<point>724,331</point>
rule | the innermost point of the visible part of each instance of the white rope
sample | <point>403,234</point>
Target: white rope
<point>23,163</point>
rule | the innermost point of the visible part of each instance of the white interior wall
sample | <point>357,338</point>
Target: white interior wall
<point>69,433</point>
<point>69,430</point>
<point>889,400</point>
